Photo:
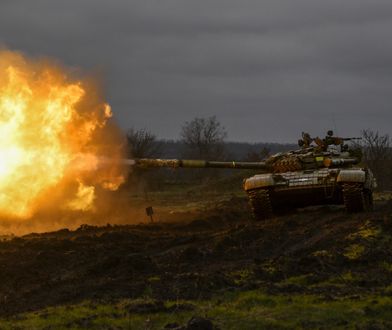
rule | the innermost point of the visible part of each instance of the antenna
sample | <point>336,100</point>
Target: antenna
<point>335,128</point>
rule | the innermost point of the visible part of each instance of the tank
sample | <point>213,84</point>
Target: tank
<point>321,171</point>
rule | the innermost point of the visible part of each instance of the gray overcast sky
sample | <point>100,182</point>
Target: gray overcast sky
<point>267,69</point>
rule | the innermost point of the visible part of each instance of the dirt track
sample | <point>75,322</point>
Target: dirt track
<point>323,251</point>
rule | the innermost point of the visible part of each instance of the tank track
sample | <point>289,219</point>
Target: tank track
<point>356,198</point>
<point>260,204</point>
<point>290,164</point>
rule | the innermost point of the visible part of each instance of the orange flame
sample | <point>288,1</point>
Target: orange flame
<point>52,132</point>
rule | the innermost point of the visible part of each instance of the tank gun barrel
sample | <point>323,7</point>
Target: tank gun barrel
<point>189,163</point>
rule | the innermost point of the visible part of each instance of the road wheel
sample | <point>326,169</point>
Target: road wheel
<point>260,204</point>
<point>356,198</point>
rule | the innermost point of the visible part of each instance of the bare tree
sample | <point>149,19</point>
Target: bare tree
<point>376,149</point>
<point>204,138</point>
<point>143,144</point>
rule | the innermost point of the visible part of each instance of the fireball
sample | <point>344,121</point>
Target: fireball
<point>53,131</point>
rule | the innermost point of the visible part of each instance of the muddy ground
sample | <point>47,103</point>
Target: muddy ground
<point>321,251</point>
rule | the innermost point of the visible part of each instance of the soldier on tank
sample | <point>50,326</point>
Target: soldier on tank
<point>332,140</point>
<point>306,140</point>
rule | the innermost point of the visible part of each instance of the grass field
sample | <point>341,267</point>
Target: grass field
<point>231,310</point>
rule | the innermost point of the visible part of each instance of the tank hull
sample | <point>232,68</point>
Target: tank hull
<point>351,187</point>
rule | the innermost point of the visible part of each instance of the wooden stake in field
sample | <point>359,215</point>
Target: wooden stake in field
<point>150,212</point>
